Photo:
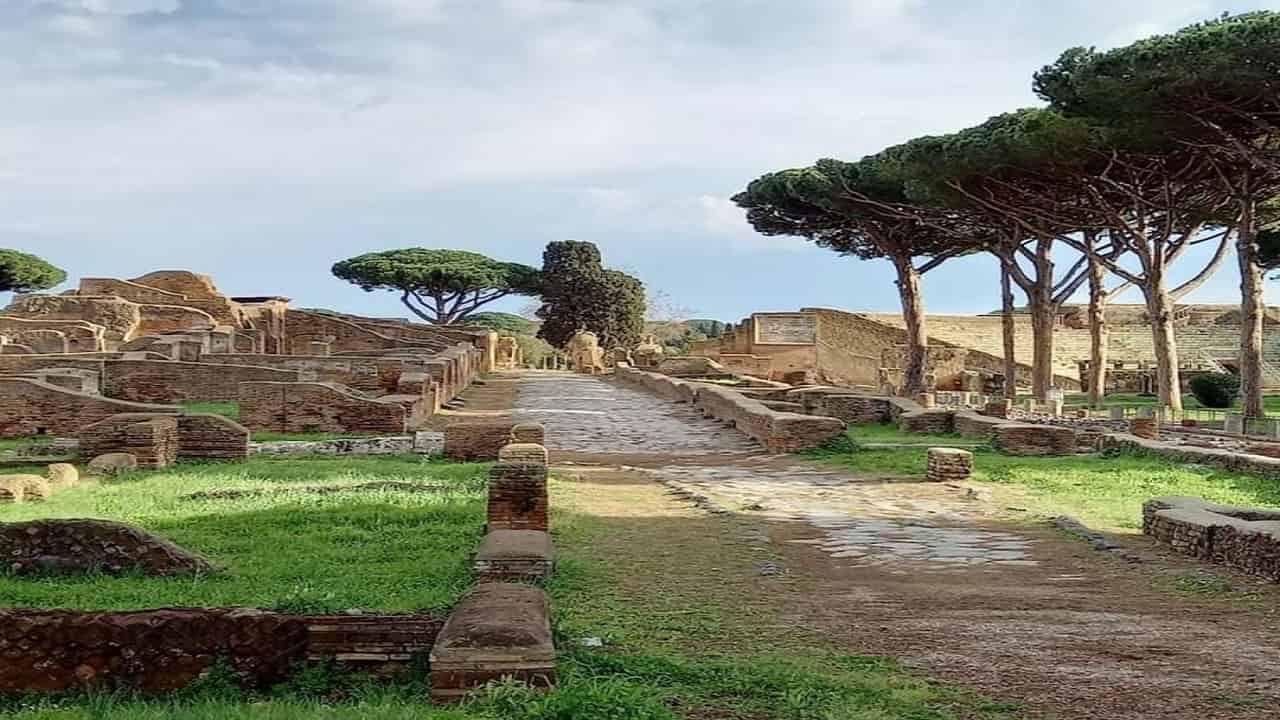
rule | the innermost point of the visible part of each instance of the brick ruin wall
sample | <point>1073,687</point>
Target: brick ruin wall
<point>303,327</point>
<point>153,650</point>
<point>29,407</point>
<point>80,336</point>
<point>220,308</point>
<point>149,437</point>
<point>1240,537</point>
<point>316,407</point>
<point>159,381</point>
<point>118,318</point>
<point>369,374</point>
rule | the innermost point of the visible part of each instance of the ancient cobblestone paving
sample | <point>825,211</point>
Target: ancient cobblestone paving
<point>908,526</point>
<point>935,573</point>
<point>584,414</point>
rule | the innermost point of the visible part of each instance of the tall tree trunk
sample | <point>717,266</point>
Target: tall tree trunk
<point>913,315</point>
<point>1160,313</point>
<point>1097,378</point>
<point>1251,311</point>
<point>1008,331</point>
<point>1040,305</point>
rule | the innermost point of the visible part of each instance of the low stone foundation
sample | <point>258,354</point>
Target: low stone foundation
<point>949,465</point>
<point>1026,439</point>
<point>499,631</point>
<point>1245,538</point>
<point>928,421</point>
<point>82,546</point>
<point>972,425</point>
<point>151,650</point>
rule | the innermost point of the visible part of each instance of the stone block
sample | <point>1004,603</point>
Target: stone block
<point>500,631</point>
<point>113,463</point>
<point>528,433</point>
<point>62,475</point>
<point>523,453</point>
<point>949,465</point>
<point>1145,427</point>
<point>514,556</point>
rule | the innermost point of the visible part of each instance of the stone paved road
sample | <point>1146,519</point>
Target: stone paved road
<point>591,416</point>
<point>935,574</point>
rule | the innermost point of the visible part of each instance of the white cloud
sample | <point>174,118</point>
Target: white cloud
<point>727,222</point>
<point>126,7</point>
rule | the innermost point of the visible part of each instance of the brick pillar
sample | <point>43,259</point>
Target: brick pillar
<point>518,489</point>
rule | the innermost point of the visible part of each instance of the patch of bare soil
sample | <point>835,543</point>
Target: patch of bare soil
<point>1082,634</point>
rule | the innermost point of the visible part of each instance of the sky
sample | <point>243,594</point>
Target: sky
<point>260,141</point>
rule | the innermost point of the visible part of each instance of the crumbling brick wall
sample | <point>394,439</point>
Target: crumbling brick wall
<point>81,336</point>
<point>380,375</point>
<point>204,436</point>
<point>157,319</point>
<point>159,381</point>
<point>152,650</point>
<point>151,438</point>
<point>118,318</point>
<point>316,407</point>
<point>1245,538</point>
<point>30,407</point>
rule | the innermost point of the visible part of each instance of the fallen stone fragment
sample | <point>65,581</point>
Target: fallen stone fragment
<point>113,464</point>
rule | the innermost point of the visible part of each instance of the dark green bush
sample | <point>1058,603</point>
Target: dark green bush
<point>1216,390</point>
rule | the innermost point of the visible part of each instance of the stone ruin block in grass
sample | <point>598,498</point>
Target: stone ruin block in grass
<point>500,631</point>
<point>1027,439</point>
<point>927,421</point>
<point>82,546</point>
<point>1245,538</point>
<point>515,556</point>
<point>949,465</point>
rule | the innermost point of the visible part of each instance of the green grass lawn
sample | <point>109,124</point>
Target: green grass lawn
<point>678,645</point>
<point>225,409</point>
<point>1104,492</point>
<point>284,545</point>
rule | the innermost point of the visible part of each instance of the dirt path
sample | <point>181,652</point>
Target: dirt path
<point>936,576</point>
